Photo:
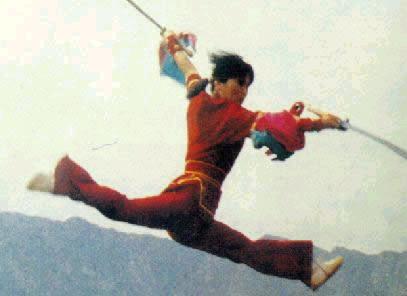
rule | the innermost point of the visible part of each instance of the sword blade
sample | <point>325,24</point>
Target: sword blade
<point>162,29</point>
<point>398,150</point>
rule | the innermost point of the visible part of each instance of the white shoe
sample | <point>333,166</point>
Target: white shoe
<point>42,182</point>
<point>323,272</point>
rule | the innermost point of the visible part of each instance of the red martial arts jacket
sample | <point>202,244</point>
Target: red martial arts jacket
<point>217,128</point>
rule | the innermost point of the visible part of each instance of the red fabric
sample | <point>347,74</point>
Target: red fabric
<point>284,127</point>
<point>216,130</point>
<point>186,208</point>
<point>297,108</point>
<point>288,129</point>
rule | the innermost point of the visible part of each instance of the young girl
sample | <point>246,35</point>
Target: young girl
<point>217,127</point>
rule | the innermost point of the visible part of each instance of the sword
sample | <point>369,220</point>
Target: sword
<point>162,28</point>
<point>396,149</point>
<point>345,125</point>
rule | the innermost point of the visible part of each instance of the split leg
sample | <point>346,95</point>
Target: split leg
<point>282,258</point>
<point>291,259</point>
<point>159,211</point>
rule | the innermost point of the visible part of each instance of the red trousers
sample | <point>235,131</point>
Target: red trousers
<point>185,209</point>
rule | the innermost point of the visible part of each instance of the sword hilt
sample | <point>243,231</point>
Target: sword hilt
<point>186,50</point>
<point>344,125</point>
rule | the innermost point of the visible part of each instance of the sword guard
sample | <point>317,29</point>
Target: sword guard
<point>344,125</point>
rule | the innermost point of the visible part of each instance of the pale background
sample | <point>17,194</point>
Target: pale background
<point>76,75</point>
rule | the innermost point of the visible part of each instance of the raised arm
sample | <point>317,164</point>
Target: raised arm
<point>181,58</point>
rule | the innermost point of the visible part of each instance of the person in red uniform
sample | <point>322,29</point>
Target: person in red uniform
<point>217,127</point>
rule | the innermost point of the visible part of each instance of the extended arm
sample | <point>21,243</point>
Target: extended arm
<point>325,120</point>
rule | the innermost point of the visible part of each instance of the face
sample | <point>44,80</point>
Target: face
<point>234,89</point>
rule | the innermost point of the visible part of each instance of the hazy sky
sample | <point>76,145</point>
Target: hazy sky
<point>76,75</point>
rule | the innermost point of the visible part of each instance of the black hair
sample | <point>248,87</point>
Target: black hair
<point>229,65</point>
